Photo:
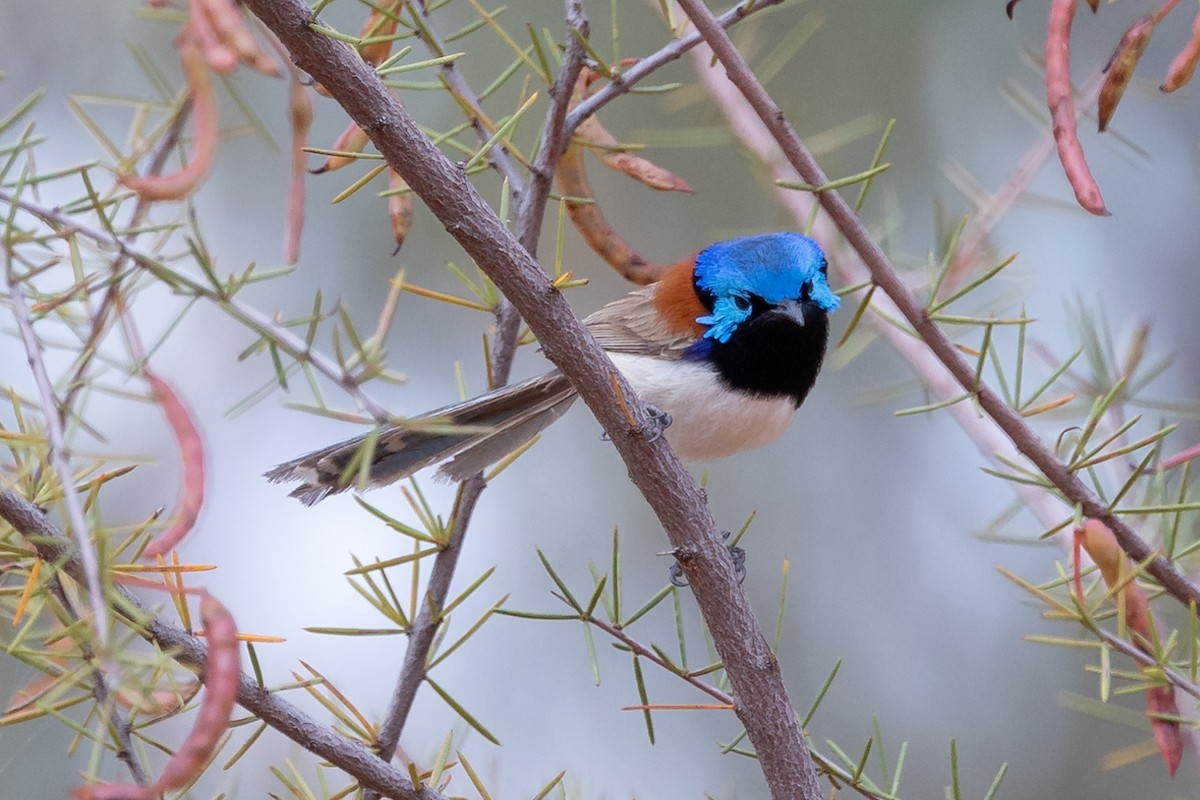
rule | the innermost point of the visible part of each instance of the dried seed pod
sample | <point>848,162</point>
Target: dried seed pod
<point>222,672</point>
<point>1121,66</point>
<point>300,110</point>
<point>191,454</point>
<point>606,148</point>
<point>378,25</point>
<point>585,213</point>
<point>1101,545</point>
<point>352,140</point>
<point>1184,64</point>
<point>400,209</point>
<point>1062,108</point>
<point>226,39</point>
<point>179,184</point>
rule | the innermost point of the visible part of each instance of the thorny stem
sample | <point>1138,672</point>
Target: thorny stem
<point>628,78</point>
<point>762,702</point>
<point>158,160</point>
<point>291,343</point>
<point>533,203</point>
<point>58,458</point>
<point>884,274</point>
<point>350,755</point>
<point>724,698</point>
<point>121,727</point>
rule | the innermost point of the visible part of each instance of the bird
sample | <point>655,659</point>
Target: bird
<point>723,348</point>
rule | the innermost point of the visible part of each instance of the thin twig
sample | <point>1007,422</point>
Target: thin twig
<point>884,274</point>
<point>100,319</point>
<point>424,628</point>
<point>289,342</point>
<point>762,700</point>
<point>627,79</point>
<point>122,729</point>
<point>350,755</point>
<point>56,439</point>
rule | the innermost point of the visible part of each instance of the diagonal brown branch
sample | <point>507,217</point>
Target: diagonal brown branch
<point>762,700</point>
<point>884,274</point>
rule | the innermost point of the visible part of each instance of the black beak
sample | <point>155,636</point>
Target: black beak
<point>792,309</point>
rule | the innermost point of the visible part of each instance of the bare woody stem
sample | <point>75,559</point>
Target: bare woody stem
<point>533,204</point>
<point>884,275</point>
<point>628,78</point>
<point>762,703</point>
<point>355,758</point>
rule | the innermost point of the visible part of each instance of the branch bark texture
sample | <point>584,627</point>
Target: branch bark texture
<point>762,702</point>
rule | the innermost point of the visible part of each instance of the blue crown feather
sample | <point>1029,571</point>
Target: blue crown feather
<point>773,266</point>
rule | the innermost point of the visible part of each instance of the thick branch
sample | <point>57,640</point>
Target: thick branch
<point>762,703</point>
<point>885,276</point>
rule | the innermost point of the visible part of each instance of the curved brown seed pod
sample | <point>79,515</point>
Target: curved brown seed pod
<point>1062,108</point>
<point>300,109</point>
<point>400,209</point>
<point>607,149</point>
<point>1120,67</point>
<point>222,671</point>
<point>351,140</point>
<point>225,37</point>
<point>380,24</point>
<point>1101,545</point>
<point>179,184</point>
<point>1184,64</point>
<point>571,178</point>
<point>191,454</point>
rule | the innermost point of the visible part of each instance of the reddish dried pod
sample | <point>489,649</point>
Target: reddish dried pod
<point>179,184</point>
<point>300,109</point>
<point>222,672</point>
<point>1102,546</point>
<point>352,140</point>
<point>381,23</point>
<point>225,37</point>
<point>571,179</point>
<point>1120,67</point>
<point>1184,64</point>
<point>400,209</point>
<point>191,453</point>
<point>607,149</point>
<point>1062,107</point>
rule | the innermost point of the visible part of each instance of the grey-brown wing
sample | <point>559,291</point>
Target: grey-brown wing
<point>633,325</point>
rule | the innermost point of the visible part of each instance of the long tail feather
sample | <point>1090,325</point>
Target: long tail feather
<point>468,435</point>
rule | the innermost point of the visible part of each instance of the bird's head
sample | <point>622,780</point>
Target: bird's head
<point>766,276</point>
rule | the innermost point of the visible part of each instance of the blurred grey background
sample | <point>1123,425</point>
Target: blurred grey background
<point>878,515</point>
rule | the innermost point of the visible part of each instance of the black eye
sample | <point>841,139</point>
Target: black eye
<point>742,303</point>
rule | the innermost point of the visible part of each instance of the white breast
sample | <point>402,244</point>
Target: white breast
<point>709,420</point>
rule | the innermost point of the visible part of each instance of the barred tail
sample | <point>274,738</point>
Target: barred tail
<point>467,436</point>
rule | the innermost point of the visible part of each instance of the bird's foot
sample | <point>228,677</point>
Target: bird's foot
<point>658,423</point>
<point>675,572</point>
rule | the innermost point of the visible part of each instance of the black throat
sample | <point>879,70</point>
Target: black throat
<point>770,354</point>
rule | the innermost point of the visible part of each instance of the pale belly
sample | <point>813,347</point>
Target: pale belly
<point>708,420</point>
